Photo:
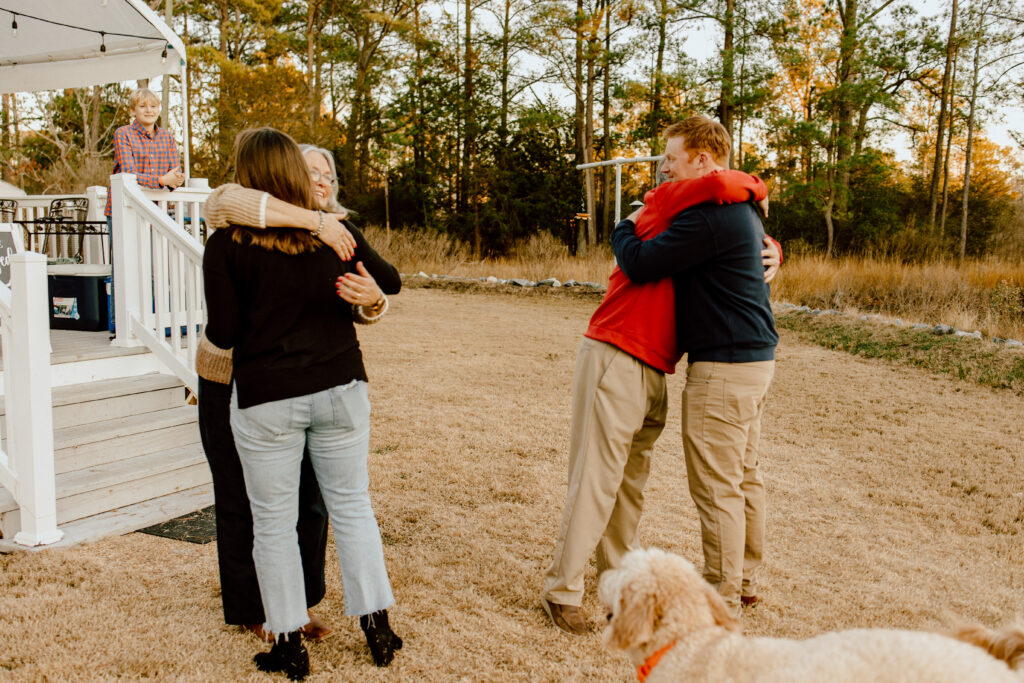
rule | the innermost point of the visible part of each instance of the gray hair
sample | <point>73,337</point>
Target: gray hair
<point>332,201</point>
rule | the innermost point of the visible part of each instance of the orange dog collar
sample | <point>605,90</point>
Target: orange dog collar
<point>644,670</point>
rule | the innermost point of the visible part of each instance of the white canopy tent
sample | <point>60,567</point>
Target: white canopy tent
<point>76,43</point>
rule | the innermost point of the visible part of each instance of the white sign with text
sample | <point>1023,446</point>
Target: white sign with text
<point>10,244</point>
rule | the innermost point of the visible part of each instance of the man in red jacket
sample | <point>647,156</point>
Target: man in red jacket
<point>620,401</point>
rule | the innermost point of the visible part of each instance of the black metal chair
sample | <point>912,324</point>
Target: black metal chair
<point>74,209</point>
<point>8,210</point>
<point>66,217</point>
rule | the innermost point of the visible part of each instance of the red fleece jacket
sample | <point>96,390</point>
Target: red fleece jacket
<point>639,318</point>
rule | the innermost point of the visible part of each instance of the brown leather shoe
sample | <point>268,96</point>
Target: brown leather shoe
<point>316,629</point>
<point>257,630</point>
<point>569,618</point>
<point>749,600</point>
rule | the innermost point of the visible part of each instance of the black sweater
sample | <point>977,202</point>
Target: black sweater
<point>713,254</point>
<point>291,332</point>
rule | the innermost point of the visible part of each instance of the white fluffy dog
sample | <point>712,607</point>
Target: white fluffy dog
<point>676,628</point>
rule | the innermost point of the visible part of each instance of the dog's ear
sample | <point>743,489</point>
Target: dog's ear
<point>634,620</point>
<point>719,611</point>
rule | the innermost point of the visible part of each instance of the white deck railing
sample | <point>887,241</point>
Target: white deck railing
<point>26,460</point>
<point>158,277</point>
<point>158,302</point>
<point>94,248</point>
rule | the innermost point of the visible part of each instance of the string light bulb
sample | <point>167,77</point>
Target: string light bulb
<point>103,43</point>
<point>14,25</point>
<point>163,56</point>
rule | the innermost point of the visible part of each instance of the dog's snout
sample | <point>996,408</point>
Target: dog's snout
<point>608,617</point>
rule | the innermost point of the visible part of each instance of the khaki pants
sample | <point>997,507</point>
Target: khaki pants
<point>722,408</point>
<point>618,410</point>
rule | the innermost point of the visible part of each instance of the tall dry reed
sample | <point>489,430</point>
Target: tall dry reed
<point>983,294</point>
<point>540,257</point>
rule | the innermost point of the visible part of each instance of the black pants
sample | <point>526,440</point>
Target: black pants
<point>240,591</point>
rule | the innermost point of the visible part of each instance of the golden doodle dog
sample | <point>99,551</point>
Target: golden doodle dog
<point>675,627</point>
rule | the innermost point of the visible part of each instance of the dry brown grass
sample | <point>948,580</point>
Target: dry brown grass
<point>894,496</point>
<point>540,257</point>
<point>986,294</point>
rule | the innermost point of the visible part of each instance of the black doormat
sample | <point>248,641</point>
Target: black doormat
<point>195,527</point>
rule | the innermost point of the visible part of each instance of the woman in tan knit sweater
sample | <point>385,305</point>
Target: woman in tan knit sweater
<point>240,595</point>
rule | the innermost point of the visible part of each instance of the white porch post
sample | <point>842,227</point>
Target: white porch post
<point>125,257</point>
<point>618,190</point>
<point>184,119</point>
<point>30,414</point>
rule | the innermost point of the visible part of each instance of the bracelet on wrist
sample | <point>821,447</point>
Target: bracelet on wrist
<point>320,228</point>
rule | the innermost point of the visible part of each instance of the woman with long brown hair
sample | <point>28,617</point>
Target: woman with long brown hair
<point>299,382</point>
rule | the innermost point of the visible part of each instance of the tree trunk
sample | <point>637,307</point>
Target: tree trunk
<point>606,184</point>
<point>862,129</point>
<point>659,80</point>
<point>967,153</point>
<point>16,139</point>
<point>5,138</point>
<point>506,29</point>
<point>933,190</point>
<point>944,212</point>
<point>726,102</point>
<point>469,144</point>
<point>224,132</point>
<point>588,137</point>
<point>831,174</point>
<point>830,227</point>
<point>807,158</point>
<point>580,112</point>
<point>845,105</point>
<point>418,133</point>
<point>312,66</point>
<point>741,110</point>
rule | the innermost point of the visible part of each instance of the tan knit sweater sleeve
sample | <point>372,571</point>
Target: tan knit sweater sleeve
<point>232,204</point>
<point>212,362</point>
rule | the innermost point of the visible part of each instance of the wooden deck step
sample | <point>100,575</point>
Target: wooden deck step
<point>94,490</point>
<point>80,404</point>
<point>89,445</point>
<point>123,520</point>
<point>73,346</point>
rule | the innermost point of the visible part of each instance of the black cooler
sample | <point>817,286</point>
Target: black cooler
<point>78,297</point>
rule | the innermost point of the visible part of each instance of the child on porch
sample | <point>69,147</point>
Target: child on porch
<point>146,150</point>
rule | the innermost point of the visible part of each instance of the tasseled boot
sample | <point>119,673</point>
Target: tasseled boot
<point>382,640</point>
<point>288,655</point>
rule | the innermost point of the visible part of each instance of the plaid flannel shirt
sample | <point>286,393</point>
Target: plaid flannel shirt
<point>148,156</point>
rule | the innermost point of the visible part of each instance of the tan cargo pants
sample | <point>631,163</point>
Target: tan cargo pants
<point>722,408</point>
<point>618,410</point>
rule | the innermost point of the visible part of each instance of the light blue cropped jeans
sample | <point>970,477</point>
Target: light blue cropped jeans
<point>270,437</point>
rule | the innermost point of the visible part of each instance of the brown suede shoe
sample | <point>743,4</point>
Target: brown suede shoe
<point>257,630</point>
<point>749,600</point>
<point>569,618</point>
<point>316,629</point>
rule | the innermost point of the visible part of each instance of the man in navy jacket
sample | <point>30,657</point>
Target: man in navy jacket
<point>724,323</point>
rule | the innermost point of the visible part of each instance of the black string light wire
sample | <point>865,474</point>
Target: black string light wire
<point>102,34</point>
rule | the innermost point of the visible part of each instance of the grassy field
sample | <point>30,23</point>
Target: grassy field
<point>965,358</point>
<point>894,501</point>
<point>986,295</point>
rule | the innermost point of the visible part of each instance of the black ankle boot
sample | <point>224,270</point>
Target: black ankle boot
<point>382,640</point>
<point>288,655</point>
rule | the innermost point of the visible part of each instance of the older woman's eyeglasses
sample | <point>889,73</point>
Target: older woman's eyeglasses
<point>317,176</point>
